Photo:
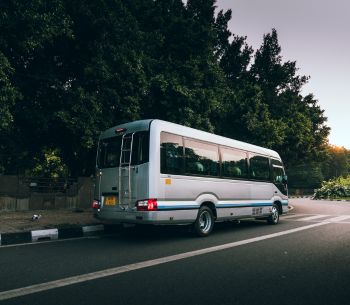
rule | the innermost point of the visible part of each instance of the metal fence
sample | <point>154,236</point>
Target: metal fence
<point>50,185</point>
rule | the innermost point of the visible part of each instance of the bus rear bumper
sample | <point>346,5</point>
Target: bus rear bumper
<point>147,217</point>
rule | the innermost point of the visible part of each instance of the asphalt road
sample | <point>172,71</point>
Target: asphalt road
<point>305,259</point>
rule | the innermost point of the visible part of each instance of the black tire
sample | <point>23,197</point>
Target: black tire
<point>275,216</point>
<point>205,222</point>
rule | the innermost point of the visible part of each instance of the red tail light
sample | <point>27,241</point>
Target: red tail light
<point>147,205</point>
<point>96,204</point>
<point>119,130</point>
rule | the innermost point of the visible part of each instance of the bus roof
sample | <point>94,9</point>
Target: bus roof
<point>130,127</point>
<point>161,125</point>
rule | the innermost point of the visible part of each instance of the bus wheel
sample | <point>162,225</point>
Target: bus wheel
<point>205,222</point>
<point>275,216</point>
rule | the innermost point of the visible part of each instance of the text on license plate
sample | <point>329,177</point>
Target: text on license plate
<point>111,200</point>
<point>257,211</point>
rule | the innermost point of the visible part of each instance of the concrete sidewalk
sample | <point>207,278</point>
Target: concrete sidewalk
<point>21,221</point>
<point>19,227</point>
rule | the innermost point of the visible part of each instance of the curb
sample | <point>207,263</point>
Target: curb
<point>50,234</point>
<point>312,197</point>
<point>328,199</point>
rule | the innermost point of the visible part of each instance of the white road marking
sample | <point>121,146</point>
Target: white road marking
<point>95,228</point>
<point>49,241</point>
<point>293,216</point>
<point>312,217</point>
<point>337,219</point>
<point>5,295</point>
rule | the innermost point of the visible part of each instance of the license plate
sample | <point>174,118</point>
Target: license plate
<point>257,211</point>
<point>111,200</point>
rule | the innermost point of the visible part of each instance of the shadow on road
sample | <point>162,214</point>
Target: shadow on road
<point>158,233</point>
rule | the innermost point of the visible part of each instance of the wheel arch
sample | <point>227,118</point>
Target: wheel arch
<point>279,206</point>
<point>211,206</point>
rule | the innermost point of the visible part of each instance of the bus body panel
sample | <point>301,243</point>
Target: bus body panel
<point>232,198</point>
<point>185,187</point>
<point>108,180</point>
<point>179,197</point>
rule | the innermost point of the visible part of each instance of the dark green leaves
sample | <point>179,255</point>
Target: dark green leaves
<point>70,69</point>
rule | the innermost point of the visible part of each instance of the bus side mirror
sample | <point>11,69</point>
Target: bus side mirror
<point>285,179</point>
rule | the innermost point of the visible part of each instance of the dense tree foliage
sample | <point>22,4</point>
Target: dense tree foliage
<point>337,162</point>
<point>70,69</point>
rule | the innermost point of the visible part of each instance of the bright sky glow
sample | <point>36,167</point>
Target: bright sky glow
<point>315,34</point>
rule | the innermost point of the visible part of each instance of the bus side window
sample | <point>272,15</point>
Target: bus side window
<point>259,167</point>
<point>277,171</point>
<point>278,175</point>
<point>171,154</point>
<point>201,158</point>
<point>234,163</point>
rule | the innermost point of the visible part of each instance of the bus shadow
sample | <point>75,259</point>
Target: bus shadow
<point>168,232</point>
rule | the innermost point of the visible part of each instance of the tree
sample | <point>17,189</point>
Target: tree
<point>8,94</point>
<point>70,69</point>
<point>26,29</point>
<point>305,176</point>
<point>266,106</point>
<point>77,67</point>
<point>182,73</point>
<point>303,120</point>
<point>336,163</point>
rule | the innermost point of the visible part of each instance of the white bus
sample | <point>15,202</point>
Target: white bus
<point>156,172</point>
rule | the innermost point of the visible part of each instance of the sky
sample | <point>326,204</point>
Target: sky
<point>315,34</point>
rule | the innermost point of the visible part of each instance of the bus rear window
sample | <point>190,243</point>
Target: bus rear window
<point>110,148</point>
<point>109,152</point>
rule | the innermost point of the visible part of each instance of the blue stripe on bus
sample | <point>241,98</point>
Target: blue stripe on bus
<point>178,207</point>
<point>241,205</point>
<point>218,206</point>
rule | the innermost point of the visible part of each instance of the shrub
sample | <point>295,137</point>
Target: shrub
<point>334,188</point>
<point>49,165</point>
